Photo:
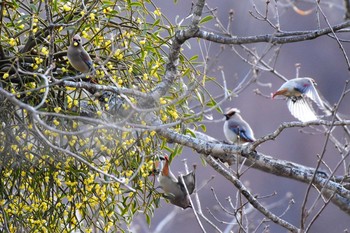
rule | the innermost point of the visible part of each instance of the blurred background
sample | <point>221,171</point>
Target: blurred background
<point>321,59</point>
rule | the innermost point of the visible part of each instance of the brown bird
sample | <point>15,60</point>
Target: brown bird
<point>78,57</point>
<point>174,188</point>
<point>236,129</point>
<point>299,91</point>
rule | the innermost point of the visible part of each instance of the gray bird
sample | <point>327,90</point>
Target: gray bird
<point>78,57</point>
<point>299,91</point>
<point>174,188</point>
<point>236,129</point>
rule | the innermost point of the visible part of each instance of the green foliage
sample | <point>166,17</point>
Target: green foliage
<point>49,191</point>
<point>206,19</point>
<point>48,183</point>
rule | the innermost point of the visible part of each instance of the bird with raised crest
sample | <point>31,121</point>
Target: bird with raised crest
<point>174,188</point>
<point>78,57</point>
<point>237,130</point>
<point>299,92</point>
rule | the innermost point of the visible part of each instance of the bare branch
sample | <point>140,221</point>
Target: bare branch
<point>347,9</point>
<point>252,200</point>
<point>284,126</point>
<point>259,161</point>
<point>276,38</point>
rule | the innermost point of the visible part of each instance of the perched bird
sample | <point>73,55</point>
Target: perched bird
<point>299,91</point>
<point>174,188</point>
<point>78,57</point>
<point>236,129</point>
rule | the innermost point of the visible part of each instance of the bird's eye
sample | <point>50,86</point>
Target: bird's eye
<point>231,114</point>
<point>76,42</point>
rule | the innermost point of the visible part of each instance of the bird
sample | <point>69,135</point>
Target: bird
<point>78,57</point>
<point>299,92</point>
<point>237,130</point>
<point>174,188</point>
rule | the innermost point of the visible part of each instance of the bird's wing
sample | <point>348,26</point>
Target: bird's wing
<point>169,196</point>
<point>190,181</point>
<point>181,185</point>
<point>241,131</point>
<point>86,58</point>
<point>301,109</point>
<point>312,93</point>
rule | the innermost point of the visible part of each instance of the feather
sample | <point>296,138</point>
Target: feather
<point>312,93</point>
<point>301,109</point>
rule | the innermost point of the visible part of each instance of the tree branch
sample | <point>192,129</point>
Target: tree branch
<point>347,9</point>
<point>276,38</point>
<point>180,37</point>
<point>252,200</point>
<point>274,135</point>
<point>227,153</point>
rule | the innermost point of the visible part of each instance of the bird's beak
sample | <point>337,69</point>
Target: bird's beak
<point>279,92</point>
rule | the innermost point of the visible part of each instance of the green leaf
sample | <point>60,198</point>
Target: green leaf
<point>135,4</point>
<point>186,72</point>
<point>190,132</point>
<point>195,57</point>
<point>204,162</point>
<point>177,150</point>
<point>156,23</point>
<point>148,219</point>
<point>206,19</point>
<point>168,149</point>
<point>211,103</point>
<point>156,202</point>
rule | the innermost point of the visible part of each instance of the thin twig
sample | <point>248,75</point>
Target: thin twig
<point>252,200</point>
<point>193,208</point>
